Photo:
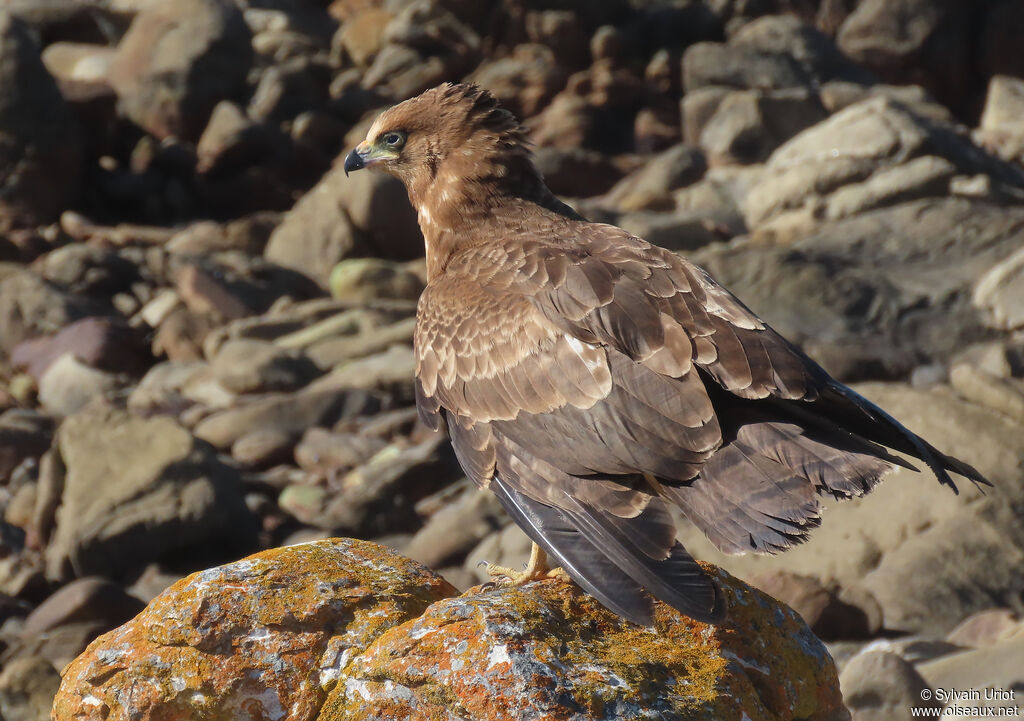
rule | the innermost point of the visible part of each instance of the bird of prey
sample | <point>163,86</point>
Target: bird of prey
<point>592,380</point>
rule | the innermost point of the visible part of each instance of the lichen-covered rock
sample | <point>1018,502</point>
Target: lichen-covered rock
<point>338,630</point>
<point>549,651</point>
<point>262,639</point>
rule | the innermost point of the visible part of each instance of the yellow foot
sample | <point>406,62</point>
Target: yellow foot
<point>536,570</point>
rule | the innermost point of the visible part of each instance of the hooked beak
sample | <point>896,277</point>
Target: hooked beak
<point>359,158</point>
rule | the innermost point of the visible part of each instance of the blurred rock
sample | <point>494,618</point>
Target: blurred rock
<point>999,293</point>
<point>707,64</point>
<point>524,82</point>
<point>912,42</point>
<point>137,489</point>
<point>596,111</point>
<point>285,412</point>
<point>1001,129</point>
<point>161,390</point>
<point>456,528</point>
<point>68,385</point>
<point>40,148</point>
<point>362,37</point>
<point>177,61</point>
<point>424,45</point>
<point>327,454</point>
<point>85,599</point>
<point>650,187</point>
<point>748,125</point>
<point>986,628</point>
<point>548,650</point>
<point>289,88</point>
<point>232,141</point>
<point>317,232</point>
<point>103,343</point>
<point>253,366</point>
<point>23,434</point>
<point>242,646</point>
<point>263,448</point>
<point>359,280</point>
<point>865,138</point>
<point>881,686</point>
<point>576,172</point>
<point>87,269</point>
<point>378,496</point>
<point>830,617</point>
<point>27,687</point>
<point>813,50</point>
<point>999,667</point>
<point>870,296</point>
<point>1004,395</point>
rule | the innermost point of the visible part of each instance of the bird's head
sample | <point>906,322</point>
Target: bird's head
<point>455,129</point>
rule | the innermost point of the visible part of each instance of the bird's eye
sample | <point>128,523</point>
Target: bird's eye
<point>394,139</point>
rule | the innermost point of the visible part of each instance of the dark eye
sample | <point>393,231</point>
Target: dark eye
<point>394,139</point>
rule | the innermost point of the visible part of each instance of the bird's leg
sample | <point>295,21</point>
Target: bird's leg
<point>536,569</point>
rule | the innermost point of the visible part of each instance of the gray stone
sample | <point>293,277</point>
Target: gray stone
<point>177,61</point>
<point>31,306</point>
<point>651,186</point>
<point>749,124</point>
<point>999,293</point>
<point>912,41</point>
<point>254,366</point>
<point>879,293</point>
<point>456,528</point>
<point>880,686</point>
<point>69,385</point>
<point>707,64</point>
<point>998,668</point>
<point>136,489</point>
<point>927,176</point>
<point>83,600</point>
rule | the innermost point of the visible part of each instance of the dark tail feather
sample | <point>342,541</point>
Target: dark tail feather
<point>887,430</point>
<point>598,555</point>
<point>550,529</point>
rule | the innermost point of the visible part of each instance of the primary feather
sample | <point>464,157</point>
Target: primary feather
<point>590,378</point>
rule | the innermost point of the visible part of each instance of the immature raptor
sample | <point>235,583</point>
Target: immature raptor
<point>591,379</point>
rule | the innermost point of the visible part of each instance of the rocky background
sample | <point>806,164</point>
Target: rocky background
<point>205,327</point>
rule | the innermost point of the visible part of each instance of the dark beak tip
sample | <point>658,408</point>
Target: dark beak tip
<point>353,161</point>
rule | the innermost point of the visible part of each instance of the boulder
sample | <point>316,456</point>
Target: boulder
<point>341,217</point>
<point>31,306</point>
<point>525,81</point>
<point>999,293</point>
<point>865,138</point>
<point>996,672</point>
<point>177,61</point>
<point>913,42</point>
<point>882,292</point>
<point>68,385</point>
<point>651,185</point>
<point>137,489</point>
<point>882,686</point>
<point>341,629</point>
<point>40,147</point>
<point>747,125</point>
<point>707,64</point>
<point>265,637</point>
<point>253,366</point>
